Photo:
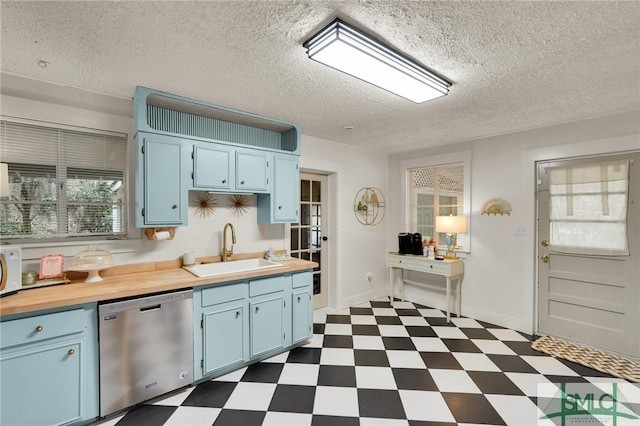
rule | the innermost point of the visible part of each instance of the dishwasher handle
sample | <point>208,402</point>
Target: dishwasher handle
<point>143,303</point>
<point>150,308</point>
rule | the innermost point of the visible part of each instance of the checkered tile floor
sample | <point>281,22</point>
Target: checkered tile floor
<point>377,364</point>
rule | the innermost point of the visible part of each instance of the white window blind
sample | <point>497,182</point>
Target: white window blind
<point>62,182</point>
<point>588,208</point>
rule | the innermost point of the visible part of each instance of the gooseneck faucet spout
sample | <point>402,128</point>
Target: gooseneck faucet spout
<point>228,252</point>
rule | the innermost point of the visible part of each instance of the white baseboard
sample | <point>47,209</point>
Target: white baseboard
<point>438,301</point>
<point>362,298</point>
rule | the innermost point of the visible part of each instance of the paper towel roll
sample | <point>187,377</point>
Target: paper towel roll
<point>162,235</point>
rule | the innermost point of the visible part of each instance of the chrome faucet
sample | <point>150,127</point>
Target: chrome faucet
<point>226,253</point>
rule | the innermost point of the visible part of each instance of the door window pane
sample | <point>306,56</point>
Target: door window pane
<point>315,191</point>
<point>294,238</point>
<point>316,215</point>
<point>316,283</point>
<point>315,256</point>
<point>305,214</point>
<point>304,238</point>
<point>305,191</point>
<point>588,208</point>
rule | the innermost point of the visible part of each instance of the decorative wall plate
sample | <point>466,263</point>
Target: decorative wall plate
<point>496,206</point>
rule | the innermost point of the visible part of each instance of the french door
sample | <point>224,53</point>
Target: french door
<point>588,275</point>
<point>309,237</point>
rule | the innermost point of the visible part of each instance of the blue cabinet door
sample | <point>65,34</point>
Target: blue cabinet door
<point>302,319</point>
<point>252,171</point>
<point>212,166</point>
<point>286,191</point>
<point>223,337</point>
<point>164,192</point>
<point>41,384</point>
<point>49,367</point>
<point>267,324</point>
<point>282,205</point>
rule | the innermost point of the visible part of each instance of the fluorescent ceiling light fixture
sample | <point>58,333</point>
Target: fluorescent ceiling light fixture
<point>349,50</point>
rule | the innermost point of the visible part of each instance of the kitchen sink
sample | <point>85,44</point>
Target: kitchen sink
<point>220,268</point>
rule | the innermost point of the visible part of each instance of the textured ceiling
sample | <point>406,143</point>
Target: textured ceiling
<point>514,65</point>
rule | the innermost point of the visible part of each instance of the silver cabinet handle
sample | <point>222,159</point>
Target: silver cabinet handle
<point>71,352</point>
<point>39,329</point>
<point>175,206</point>
<point>237,314</point>
<point>257,308</point>
<point>299,298</point>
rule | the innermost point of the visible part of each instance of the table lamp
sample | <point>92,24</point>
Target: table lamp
<point>451,225</point>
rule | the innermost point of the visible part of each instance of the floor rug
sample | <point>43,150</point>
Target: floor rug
<point>601,361</point>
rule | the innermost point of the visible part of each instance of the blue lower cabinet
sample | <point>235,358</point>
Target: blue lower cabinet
<point>267,325</point>
<point>302,315</point>
<point>51,380</point>
<point>241,322</point>
<point>224,335</point>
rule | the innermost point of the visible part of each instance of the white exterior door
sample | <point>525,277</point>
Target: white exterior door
<point>588,277</point>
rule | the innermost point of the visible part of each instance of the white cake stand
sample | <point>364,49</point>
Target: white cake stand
<point>93,270</point>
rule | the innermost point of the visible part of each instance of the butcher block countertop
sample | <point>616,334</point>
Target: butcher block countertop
<point>131,281</point>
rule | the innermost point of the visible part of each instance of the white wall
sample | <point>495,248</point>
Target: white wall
<point>355,249</point>
<point>499,276</point>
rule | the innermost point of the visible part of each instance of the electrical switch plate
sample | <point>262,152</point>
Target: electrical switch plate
<point>263,233</point>
<point>520,231</point>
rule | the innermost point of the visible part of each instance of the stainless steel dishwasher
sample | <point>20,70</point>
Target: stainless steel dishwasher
<point>146,348</point>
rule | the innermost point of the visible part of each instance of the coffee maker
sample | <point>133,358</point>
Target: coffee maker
<point>409,243</point>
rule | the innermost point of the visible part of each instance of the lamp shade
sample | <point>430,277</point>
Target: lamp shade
<point>4,180</point>
<point>451,224</point>
<point>349,50</point>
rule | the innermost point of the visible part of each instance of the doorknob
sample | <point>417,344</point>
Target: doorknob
<point>545,258</point>
<point>544,243</point>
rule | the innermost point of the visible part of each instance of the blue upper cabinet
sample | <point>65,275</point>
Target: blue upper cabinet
<point>161,196</point>
<point>281,204</point>
<point>252,171</point>
<point>213,166</point>
<point>184,144</point>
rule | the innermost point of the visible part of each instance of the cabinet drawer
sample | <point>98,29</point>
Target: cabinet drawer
<point>224,293</point>
<point>302,279</point>
<point>436,267</point>
<point>41,327</point>
<point>268,285</point>
<point>400,261</point>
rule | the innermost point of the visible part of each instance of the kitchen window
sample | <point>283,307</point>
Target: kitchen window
<point>63,183</point>
<point>437,186</point>
<point>435,191</point>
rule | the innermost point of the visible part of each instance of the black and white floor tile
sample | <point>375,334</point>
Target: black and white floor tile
<point>377,365</point>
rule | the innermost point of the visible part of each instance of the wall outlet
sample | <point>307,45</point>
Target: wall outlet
<point>263,233</point>
<point>520,231</point>
<point>369,276</point>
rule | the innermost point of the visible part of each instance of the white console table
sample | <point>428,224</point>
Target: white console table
<point>450,269</point>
